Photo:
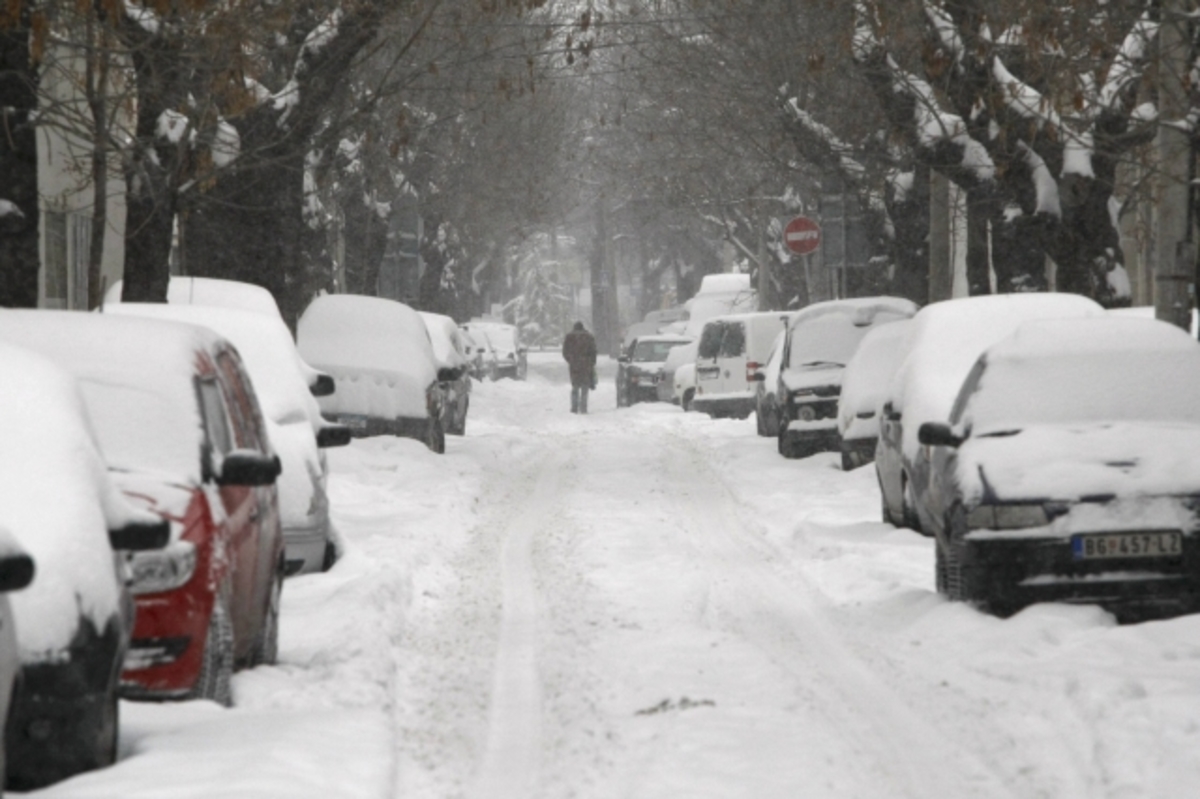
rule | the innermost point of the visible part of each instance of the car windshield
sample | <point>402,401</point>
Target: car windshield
<point>1012,393</point>
<point>140,429</point>
<point>825,341</point>
<point>653,351</point>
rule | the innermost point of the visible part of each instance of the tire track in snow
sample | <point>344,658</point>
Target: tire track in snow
<point>511,760</point>
<point>783,618</point>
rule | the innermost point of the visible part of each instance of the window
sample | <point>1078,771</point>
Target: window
<point>710,340</point>
<point>733,343</point>
<point>216,420</point>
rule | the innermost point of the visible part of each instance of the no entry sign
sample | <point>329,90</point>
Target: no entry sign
<point>802,235</point>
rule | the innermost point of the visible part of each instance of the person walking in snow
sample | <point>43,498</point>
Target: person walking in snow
<point>579,350</point>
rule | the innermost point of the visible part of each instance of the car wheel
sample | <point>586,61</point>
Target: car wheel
<point>435,436</point>
<point>266,645</point>
<point>786,447</point>
<point>216,669</point>
<point>622,395</point>
<point>330,557</point>
<point>687,399</point>
<point>848,463</point>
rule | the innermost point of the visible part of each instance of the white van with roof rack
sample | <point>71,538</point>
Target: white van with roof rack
<point>732,350</point>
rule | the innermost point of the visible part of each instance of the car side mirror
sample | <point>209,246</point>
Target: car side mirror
<point>758,377</point>
<point>16,571</point>
<point>323,387</point>
<point>247,468</point>
<point>622,359</point>
<point>890,413</point>
<point>140,536</point>
<point>448,375</point>
<point>333,435</point>
<point>937,434</point>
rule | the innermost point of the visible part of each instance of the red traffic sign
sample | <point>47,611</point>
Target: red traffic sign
<point>802,235</point>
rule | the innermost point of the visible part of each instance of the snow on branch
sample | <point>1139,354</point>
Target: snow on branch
<point>143,17</point>
<point>1024,100</point>
<point>9,208</point>
<point>947,32</point>
<point>1129,62</point>
<point>838,148</point>
<point>935,126</point>
<point>1044,183</point>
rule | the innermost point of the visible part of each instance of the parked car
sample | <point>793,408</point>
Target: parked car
<point>945,340</point>
<point>822,339</point>
<point>677,357</point>
<point>178,422</point>
<point>640,368</point>
<point>378,352</point>
<point>719,295</point>
<point>450,352</point>
<point>511,356</point>
<point>295,428</point>
<point>480,353</point>
<point>16,572</point>
<point>72,623</point>
<point>864,386</point>
<point>1067,470</point>
<point>732,349</point>
<point>767,410</point>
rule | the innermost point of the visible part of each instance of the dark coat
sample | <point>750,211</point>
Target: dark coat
<point>579,350</point>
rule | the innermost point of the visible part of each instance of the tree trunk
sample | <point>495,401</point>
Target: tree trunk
<point>19,260</point>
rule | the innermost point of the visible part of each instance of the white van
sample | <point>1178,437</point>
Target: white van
<point>732,349</point>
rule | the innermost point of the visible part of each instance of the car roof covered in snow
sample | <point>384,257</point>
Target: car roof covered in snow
<point>725,283</point>
<point>57,501</point>
<point>182,290</point>
<point>265,345</point>
<point>947,337</point>
<point>862,310</point>
<point>137,381</point>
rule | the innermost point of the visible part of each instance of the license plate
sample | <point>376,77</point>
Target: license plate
<point>1127,545</point>
<point>354,422</point>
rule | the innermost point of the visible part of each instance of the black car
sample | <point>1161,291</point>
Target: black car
<point>1067,471</point>
<point>640,367</point>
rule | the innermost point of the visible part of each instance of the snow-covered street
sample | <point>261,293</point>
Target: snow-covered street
<point>647,603</point>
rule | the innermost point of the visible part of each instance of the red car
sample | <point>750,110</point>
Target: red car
<point>180,427</point>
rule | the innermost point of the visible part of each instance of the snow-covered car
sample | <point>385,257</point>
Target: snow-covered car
<point>295,427</point>
<point>732,349</point>
<point>480,353</point>
<point>719,295</point>
<point>821,340</point>
<point>640,367</point>
<point>178,422</point>
<point>1067,470</point>
<point>943,342</point>
<point>59,505</point>
<point>450,352</point>
<point>864,386</point>
<point>677,357</point>
<point>234,295</point>
<point>379,353</point>
<point>511,356</point>
<point>767,411</point>
<point>16,572</point>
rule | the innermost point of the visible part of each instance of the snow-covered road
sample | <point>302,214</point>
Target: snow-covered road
<point>647,603</point>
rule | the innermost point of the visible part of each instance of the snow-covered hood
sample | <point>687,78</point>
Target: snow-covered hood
<point>1067,462</point>
<point>813,376</point>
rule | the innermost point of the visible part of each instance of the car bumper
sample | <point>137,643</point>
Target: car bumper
<point>739,406</point>
<point>819,435</point>
<point>860,451</point>
<point>166,649</point>
<point>1007,574</point>
<point>367,426</point>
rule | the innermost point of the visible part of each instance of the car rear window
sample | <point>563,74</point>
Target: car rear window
<point>653,351</point>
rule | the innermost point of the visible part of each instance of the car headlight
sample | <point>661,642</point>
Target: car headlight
<point>1007,517</point>
<point>163,569</point>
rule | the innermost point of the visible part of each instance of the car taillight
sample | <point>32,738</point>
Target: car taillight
<point>752,368</point>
